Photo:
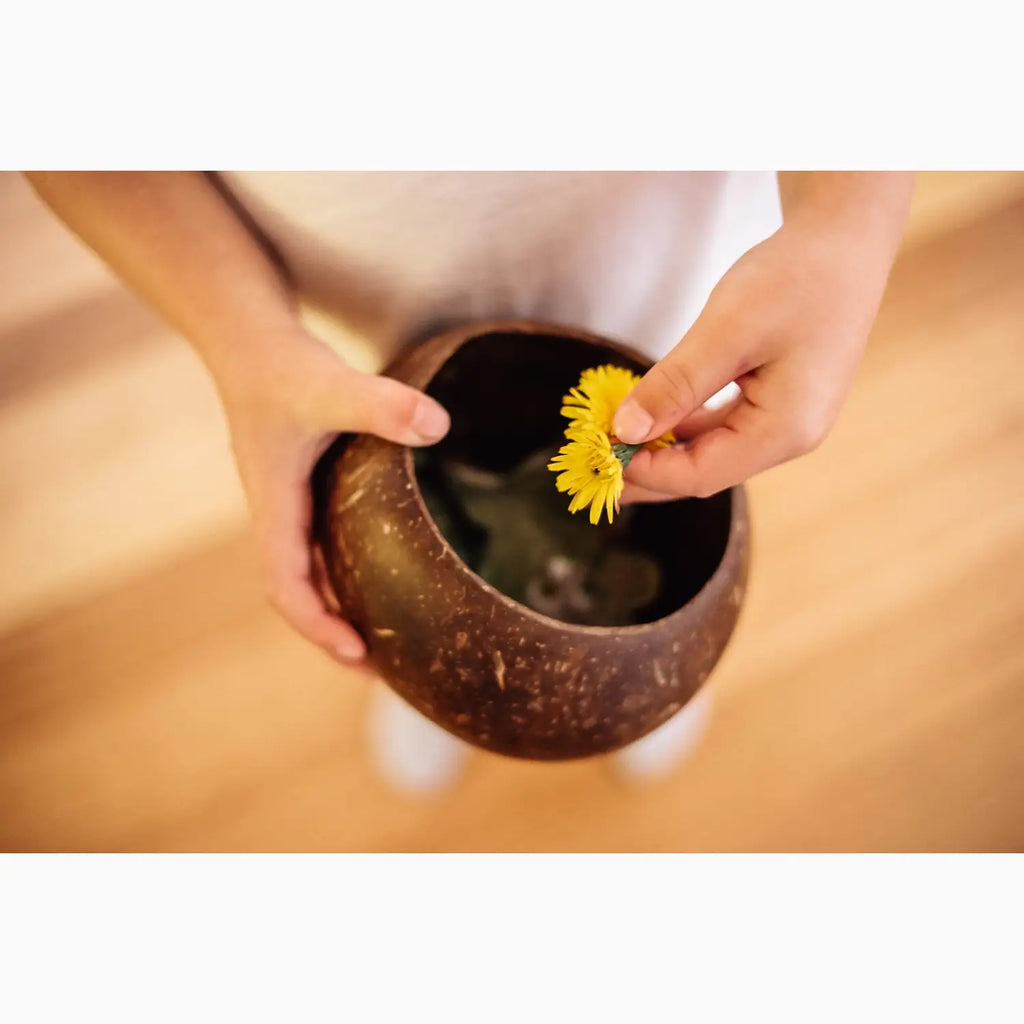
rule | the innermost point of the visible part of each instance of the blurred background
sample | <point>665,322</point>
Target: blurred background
<point>872,697</point>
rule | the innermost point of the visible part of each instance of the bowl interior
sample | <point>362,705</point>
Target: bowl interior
<point>504,393</point>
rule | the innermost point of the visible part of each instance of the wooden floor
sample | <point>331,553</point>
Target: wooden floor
<point>872,698</point>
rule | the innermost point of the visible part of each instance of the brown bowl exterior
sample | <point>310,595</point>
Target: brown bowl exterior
<point>486,668</point>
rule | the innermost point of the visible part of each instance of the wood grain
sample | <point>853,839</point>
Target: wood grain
<point>872,698</point>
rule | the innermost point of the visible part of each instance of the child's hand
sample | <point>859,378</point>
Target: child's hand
<point>788,322</point>
<point>177,242</point>
<point>283,411</point>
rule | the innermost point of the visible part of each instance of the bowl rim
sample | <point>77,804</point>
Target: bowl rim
<point>458,336</point>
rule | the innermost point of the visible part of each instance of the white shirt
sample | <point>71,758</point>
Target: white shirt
<point>630,255</point>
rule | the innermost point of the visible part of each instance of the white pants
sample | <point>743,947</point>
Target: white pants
<point>416,756</point>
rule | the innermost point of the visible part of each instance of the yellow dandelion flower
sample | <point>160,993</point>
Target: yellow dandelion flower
<point>591,465</point>
<point>589,471</point>
<point>600,392</point>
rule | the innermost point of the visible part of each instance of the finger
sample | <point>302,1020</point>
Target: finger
<point>283,533</point>
<point>707,417</point>
<point>302,607</point>
<point>713,353</point>
<point>322,580</point>
<point>747,443</point>
<point>713,413</point>
<point>382,406</point>
<point>637,495</point>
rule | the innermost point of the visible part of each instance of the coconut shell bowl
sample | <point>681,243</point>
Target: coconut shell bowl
<point>518,627</point>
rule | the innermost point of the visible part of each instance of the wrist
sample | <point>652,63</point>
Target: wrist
<point>862,213</point>
<point>248,358</point>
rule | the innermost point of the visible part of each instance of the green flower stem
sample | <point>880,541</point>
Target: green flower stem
<point>625,452</point>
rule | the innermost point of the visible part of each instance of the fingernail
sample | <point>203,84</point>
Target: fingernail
<point>632,423</point>
<point>351,651</point>
<point>430,421</point>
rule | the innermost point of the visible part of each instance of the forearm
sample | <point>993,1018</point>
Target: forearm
<point>868,207</point>
<point>174,239</point>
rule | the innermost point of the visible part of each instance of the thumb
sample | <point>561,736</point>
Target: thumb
<point>678,385</point>
<point>383,406</point>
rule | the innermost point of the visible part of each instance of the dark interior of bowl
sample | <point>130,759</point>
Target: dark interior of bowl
<point>504,393</point>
